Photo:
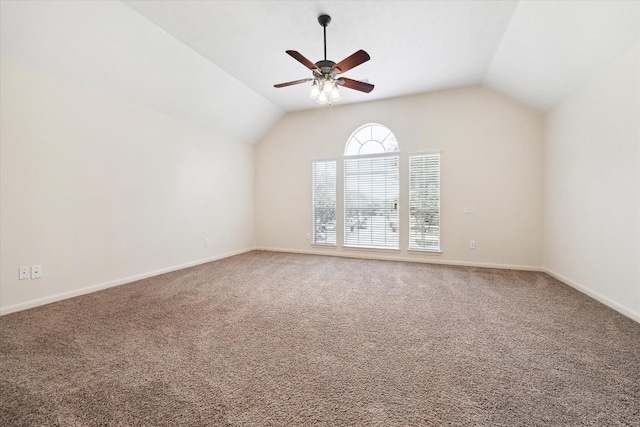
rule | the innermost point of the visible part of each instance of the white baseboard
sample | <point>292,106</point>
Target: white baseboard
<point>595,295</point>
<point>389,256</point>
<point>106,285</point>
<point>330,252</point>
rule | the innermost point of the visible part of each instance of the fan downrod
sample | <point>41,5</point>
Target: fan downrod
<point>324,21</point>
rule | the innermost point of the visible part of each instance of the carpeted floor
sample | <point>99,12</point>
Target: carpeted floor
<point>277,339</point>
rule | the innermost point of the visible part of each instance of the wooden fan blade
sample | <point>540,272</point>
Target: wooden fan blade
<point>301,59</point>
<point>352,61</point>
<point>355,84</point>
<point>295,82</point>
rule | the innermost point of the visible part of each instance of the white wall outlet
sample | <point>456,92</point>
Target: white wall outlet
<point>206,241</point>
<point>470,209</point>
<point>36,271</point>
<point>466,209</point>
<point>308,236</point>
<point>472,244</point>
<point>24,273</point>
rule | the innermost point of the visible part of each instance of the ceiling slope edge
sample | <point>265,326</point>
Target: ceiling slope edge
<point>107,47</point>
<point>551,49</point>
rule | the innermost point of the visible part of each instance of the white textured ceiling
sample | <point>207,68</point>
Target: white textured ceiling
<point>214,63</point>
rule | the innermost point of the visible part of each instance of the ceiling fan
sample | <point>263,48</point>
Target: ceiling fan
<point>326,77</point>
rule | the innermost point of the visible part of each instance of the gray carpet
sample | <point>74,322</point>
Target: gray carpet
<point>276,339</point>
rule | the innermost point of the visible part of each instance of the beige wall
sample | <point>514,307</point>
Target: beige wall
<point>592,187</point>
<point>99,191</point>
<point>491,159</point>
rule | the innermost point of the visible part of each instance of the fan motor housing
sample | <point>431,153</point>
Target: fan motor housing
<point>325,64</point>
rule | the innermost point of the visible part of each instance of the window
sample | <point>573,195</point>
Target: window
<point>324,203</point>
<point>371,188</point>
<point>424,202</point>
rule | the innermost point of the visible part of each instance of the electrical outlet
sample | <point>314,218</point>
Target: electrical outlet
<point>472,244</point>
<point>24,273</point>
<point>206,241</point>
<point>308,236</point>
<point>36,271</point>
<point>470,209</point>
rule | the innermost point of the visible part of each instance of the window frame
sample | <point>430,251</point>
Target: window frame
<point>346,208</point>
<point>314,228</point>
<point>425,250</point>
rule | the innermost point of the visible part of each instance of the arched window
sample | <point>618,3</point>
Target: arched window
<point>371,188</point>
<point>371,138</point>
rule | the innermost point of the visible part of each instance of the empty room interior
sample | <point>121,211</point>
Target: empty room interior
<point>319,213</point>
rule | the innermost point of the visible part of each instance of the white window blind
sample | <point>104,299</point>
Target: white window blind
<point>424,202</point>
<point>371,193</point>
<point>324,203</point>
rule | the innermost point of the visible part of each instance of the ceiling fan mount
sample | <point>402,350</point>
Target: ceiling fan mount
<point>325,72</point>
<point>324,20</point>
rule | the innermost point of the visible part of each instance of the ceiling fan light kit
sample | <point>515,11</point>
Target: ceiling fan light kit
<point>325,81</point>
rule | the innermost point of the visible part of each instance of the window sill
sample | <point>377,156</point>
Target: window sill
<point>424,252</point>
<point>371,249</point>
<point>323,245</point>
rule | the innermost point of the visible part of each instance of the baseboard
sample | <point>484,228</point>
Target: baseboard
<point>386,256</point>
<point>94,288</point>
<point>595,295</point>
<point>330,252</point>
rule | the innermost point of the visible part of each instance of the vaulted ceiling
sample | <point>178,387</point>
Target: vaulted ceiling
<point>214,63</point>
